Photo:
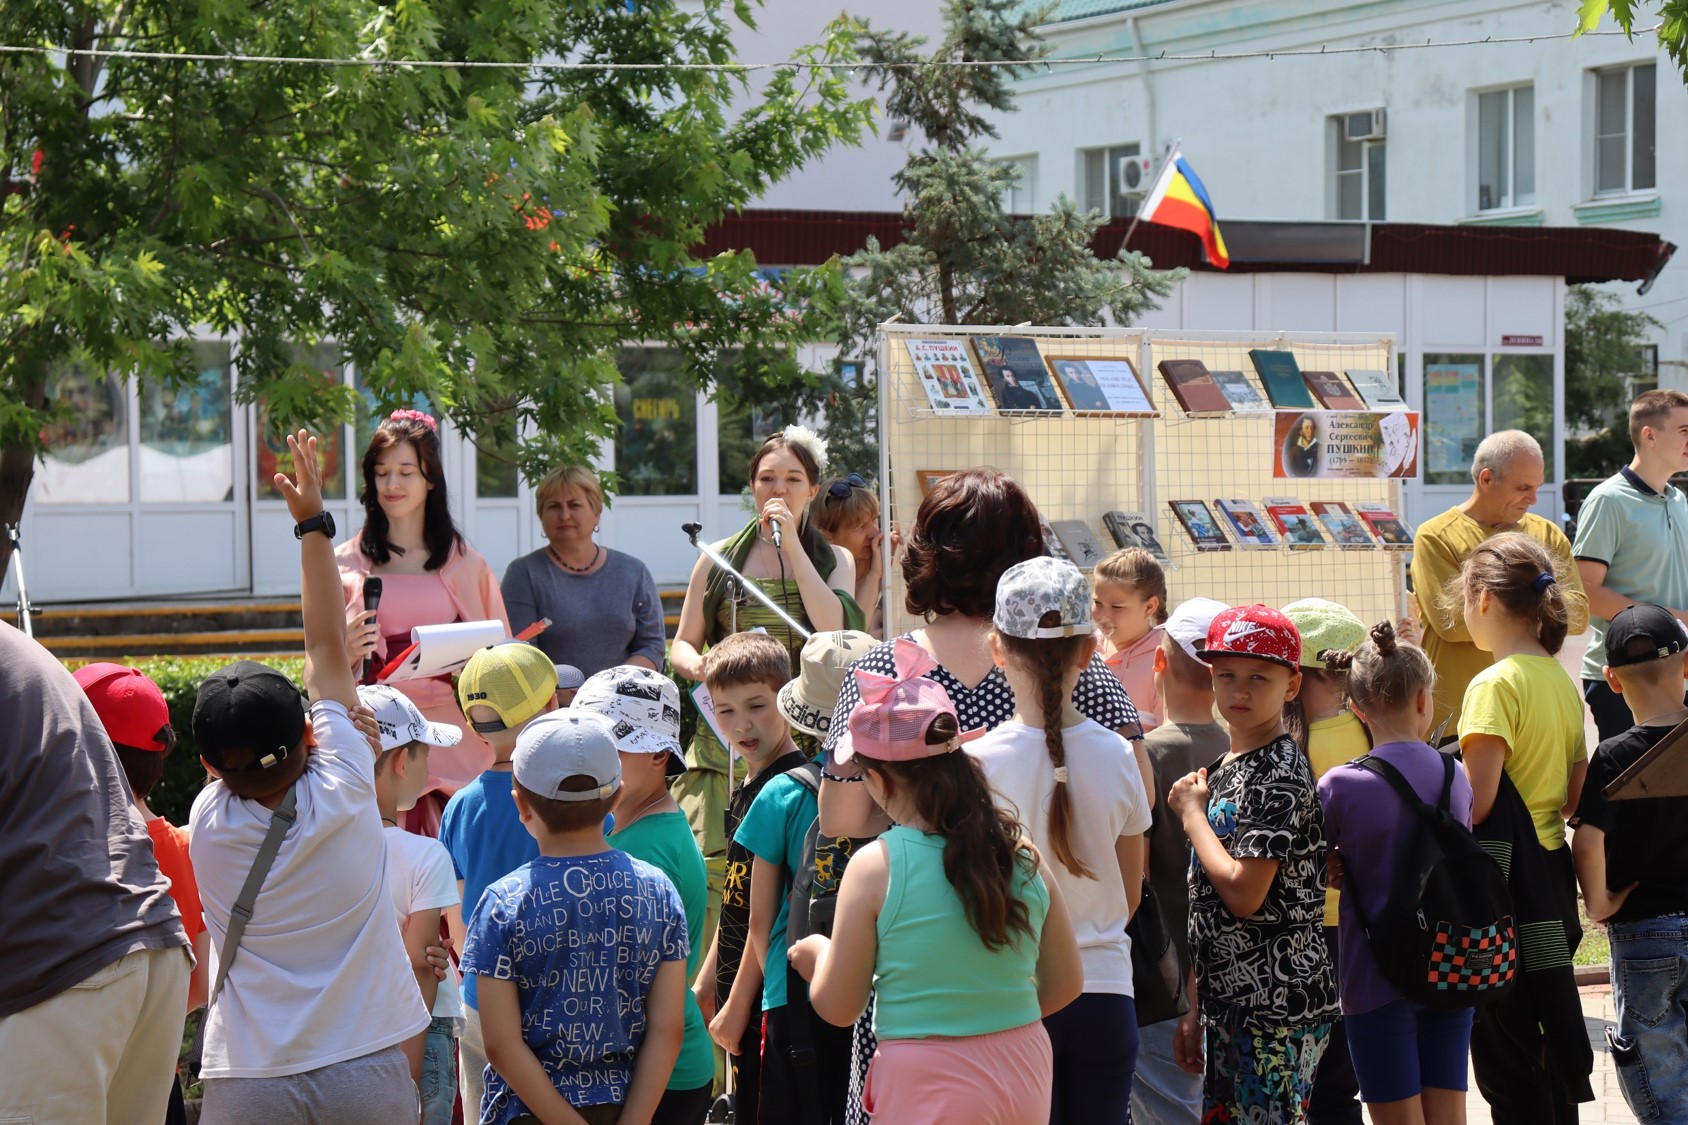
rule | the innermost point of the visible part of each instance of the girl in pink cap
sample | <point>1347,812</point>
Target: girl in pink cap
<point>950,917</point>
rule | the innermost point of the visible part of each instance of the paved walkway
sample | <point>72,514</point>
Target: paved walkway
<point>1608,1105</point>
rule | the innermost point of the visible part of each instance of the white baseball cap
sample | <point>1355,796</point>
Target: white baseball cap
<point>1189,621</point>
<point>401,722</point>
<point>562,744</point>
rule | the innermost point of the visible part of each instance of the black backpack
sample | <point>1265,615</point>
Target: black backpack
<point>1446,936</point>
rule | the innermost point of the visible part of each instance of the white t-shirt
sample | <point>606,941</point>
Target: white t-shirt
<point>1108,802</point>
<point>421,877</point>
<point>321,975</point>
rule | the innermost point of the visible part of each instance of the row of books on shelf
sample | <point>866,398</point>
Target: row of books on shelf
<point>1285,522</point>
<point>1024,376</point>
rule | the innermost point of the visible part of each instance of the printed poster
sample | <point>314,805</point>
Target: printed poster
<point>947,375</point>
<point>1453,401</point>
<point>1334,445</point>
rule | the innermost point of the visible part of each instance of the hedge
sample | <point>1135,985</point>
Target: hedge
<point>179,678</point>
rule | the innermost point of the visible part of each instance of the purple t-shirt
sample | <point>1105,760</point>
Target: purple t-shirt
<point>1366,820</point>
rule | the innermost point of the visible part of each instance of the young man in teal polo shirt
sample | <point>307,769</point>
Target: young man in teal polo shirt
<point>1632,541</point>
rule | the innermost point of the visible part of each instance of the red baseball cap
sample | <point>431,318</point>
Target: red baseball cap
<point>1253,630</point>
<point>129,705</point>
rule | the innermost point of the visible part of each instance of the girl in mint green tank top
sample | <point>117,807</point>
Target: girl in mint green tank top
<point>950,918</point>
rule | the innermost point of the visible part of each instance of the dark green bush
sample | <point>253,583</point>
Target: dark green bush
<point>178,677</point>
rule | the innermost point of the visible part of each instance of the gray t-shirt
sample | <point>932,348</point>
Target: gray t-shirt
<point>77,876</point>
<point>1176,749</point>
<point>598,620</point>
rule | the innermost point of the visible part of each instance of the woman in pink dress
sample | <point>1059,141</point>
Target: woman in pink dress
<point>429,575</point>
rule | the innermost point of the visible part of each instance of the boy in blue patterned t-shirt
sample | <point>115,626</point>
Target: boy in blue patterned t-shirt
<point>581,953</point>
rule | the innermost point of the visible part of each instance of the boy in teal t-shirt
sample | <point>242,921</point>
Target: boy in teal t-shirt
<point>744,675</point>
<point>643,708</point>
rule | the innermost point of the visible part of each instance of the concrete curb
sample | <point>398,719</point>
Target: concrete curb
<point>1592,974</point>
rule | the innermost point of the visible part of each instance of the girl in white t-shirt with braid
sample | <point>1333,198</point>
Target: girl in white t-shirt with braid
<point>1076,787</point>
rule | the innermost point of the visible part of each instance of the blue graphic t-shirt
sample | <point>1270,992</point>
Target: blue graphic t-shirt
<point>486,841</point>
<point>582,937</point>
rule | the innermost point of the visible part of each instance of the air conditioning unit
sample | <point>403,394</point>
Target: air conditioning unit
<point>1136,174</point>
<point>1366,126</point>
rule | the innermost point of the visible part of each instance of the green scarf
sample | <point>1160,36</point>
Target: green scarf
<point>737,549</point>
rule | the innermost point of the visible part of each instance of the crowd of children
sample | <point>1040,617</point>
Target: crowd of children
<point>1002,824</point>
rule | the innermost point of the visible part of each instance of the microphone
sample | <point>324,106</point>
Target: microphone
<point>371,602</point>
<point>776,529</point>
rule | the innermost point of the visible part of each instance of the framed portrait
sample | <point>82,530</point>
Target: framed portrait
<point>929,477</point>
<point>1101,386</point>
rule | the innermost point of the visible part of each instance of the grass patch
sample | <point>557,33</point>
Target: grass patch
<point>1596,948</point>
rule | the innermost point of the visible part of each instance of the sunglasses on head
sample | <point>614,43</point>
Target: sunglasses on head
<point>840,489</point>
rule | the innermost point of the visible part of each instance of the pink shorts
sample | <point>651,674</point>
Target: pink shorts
<point>1004,1078</point>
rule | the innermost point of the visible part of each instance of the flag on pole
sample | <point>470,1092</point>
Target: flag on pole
<point>1179,200</point>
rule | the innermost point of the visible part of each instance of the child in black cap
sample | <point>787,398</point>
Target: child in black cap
<point>317,995</point>
<point>1632,863</point>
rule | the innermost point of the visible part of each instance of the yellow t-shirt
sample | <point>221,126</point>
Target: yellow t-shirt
<point>1330,743</point>
<point>1531,702</point>
<point>1439,551</point>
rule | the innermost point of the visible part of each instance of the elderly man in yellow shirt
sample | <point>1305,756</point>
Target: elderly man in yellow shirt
<point>1506,472</point>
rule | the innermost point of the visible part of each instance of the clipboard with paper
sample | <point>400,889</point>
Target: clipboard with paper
<point>437,650</point>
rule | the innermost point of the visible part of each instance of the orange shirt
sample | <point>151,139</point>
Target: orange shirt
<point>170,848</point>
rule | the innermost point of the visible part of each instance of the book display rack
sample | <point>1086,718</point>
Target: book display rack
<point>1125,474</point>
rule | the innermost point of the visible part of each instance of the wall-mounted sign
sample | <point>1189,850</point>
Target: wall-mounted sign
<point>1520,341</point>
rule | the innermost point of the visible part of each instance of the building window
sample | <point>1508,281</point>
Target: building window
<point>1506,148</point>
<point>1021,199</point>
<point>271,452</point>
<point>1646,376</point>
<point>87,458</point>
<point>1624,109</point>
<point>656,450</point>
<point>1453,416</point>
<point>187,444</point>
<point>1117,193</point>
<point>1360,165</point>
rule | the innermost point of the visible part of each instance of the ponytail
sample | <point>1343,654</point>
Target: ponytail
<point>1523,577</point>
<point>1554,620</point>
<point>1050,660</point>
<point>982,854</point>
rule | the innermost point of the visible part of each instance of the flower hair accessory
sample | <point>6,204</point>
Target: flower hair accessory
<point>810,440</point>
<point>414,416</point>
<point>896,711</point>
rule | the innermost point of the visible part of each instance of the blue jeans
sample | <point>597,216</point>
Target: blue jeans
<point>439,1073</point>
<point>1650,988</point>
<point>1163,1093</point>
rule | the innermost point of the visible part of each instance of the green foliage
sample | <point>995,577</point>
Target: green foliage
<point>1600,341</point>
<point>178,677</point>
<point>964,260</point>
<point>479,237</point>
<point>1673,23</point>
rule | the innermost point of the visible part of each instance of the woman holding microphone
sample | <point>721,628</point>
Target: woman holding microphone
<point>430,576</point>
<point>788,559</point>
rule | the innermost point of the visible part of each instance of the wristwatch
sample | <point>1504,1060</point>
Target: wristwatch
<point>322,521</point>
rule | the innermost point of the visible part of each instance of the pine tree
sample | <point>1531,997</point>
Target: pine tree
<point>964,259</point>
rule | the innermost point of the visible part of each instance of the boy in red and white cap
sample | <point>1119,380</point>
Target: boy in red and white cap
<point>1266,992</point>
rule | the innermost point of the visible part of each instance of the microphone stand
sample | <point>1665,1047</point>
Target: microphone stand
<point>733,576</point>
<point>24,608</point>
